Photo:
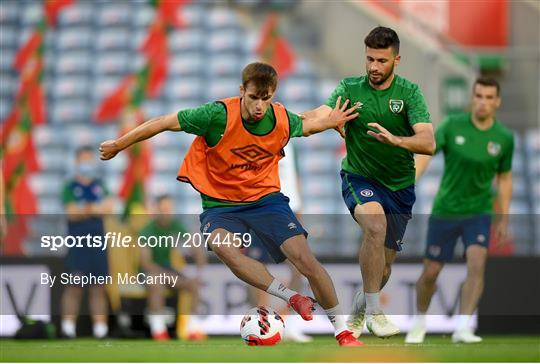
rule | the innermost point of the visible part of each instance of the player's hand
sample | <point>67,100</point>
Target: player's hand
<point>501,230</point>
<point>340,115</point>
<point>383,135</point>
<point>108,150</point>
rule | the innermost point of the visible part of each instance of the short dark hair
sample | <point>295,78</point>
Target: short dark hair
<point>83,149</point>
<point>487,81</point>
<point>164,196</point>
<point>262,75</point>
<point>382,38</point>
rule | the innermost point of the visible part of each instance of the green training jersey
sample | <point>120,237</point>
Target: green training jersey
<point>161,253</point>
<point>209,121</point>
<point>397,109</point>
<point>472,158</point>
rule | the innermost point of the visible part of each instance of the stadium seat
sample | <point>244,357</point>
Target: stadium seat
<point>9,84</point>
<point>69,111</point>
<point>79,13</point>
<point>52,158</point>
<point>9,12</point>
<point>32,14</point>
<point>153,108</point>
<point>143,16</point>
<point>111,39</point>
<point>48,135</point>
<point>47,183</point>
<point>112,63</point>
<point>6,61</point>
<point>297,89</point>
<point>226,65</point>
<point>102,87</point>
<point>228,40</point>
<point>113,14</point>
<point>316,162</point>
<point>74,38</point>
<point>187,64</point>
<point>49,206</point>
<point>5,107</point>
<point>184,40</point>
<point>218,18</point>
<point>193,15</point>
<point>77,62</point>
<point>9,38</point>
<point>180,88</point>
<point>71,87</point>
<point>226,87</point>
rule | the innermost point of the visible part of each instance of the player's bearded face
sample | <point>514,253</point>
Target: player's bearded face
<point>485,101</point>
<point>255,102</point>
<point>380,64</point>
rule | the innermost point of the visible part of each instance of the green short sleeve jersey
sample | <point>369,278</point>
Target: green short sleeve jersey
<point>161,253</point>
<point>472,158</point>
<point>209,121</point>
<point>397,109</point>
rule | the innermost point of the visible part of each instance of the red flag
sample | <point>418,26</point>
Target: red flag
<point>36,103</point>
<point>275,49</point>
<point>52,9</point>
<point>112,106</point>
<point>28,50</point>
<point>170,12</point>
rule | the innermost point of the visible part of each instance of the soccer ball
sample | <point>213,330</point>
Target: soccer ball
<point>262,326</point>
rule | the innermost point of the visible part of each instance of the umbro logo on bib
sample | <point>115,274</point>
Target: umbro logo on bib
<point>396,106</point>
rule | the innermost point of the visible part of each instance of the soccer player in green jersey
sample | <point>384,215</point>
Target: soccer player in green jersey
<point>378,171</point>
<point>477,149</point>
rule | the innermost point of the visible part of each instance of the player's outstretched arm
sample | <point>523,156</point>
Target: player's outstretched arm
<point>324,118</point>
<point>422,142</point>
<point>110,148</point>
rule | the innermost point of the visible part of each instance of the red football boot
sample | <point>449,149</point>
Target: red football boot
<point>346,338</point>
<point>303,305</point>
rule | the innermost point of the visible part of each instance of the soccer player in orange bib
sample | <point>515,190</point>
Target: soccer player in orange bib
<point>233,163</point>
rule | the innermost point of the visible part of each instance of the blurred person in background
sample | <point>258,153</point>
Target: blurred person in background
<point>290,187</point>
<point>233,163</point>
<point>378,171</point>
<point>86,200</point>
<point>166,259</point>
<point>477,150</point>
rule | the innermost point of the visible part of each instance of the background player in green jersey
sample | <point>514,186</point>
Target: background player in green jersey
<point>160,259</point>
<point>477,148</point>
<point>378,172</point>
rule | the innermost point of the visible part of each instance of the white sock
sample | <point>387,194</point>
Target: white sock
<point>372,303</point>
<point>278,289</point>
<point>69,328</point>
<point>337,319</point>
<point>359,303</point>
<point>100,329</point>
<point>157,323</point>
<point>463,322</point>
<point>420,319</point>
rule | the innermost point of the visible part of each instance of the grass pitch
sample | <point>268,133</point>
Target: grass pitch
<point>227,349</point>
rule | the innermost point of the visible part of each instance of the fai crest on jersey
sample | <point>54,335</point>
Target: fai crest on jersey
<point>493,149</point>
<point>366,193</point>
<point>396,106</point>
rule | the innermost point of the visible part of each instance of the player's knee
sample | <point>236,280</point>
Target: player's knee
<point>230,256</point>
<point>375,231</point>
<point>430,274</point>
